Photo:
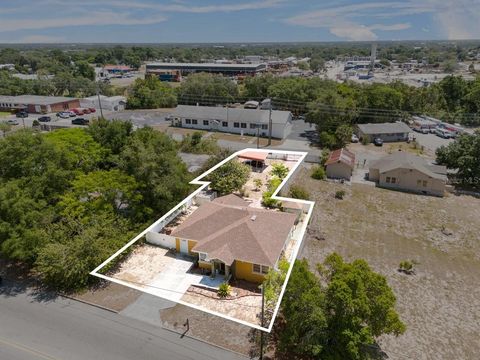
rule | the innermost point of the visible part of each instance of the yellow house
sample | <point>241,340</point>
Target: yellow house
<point>231,238</point>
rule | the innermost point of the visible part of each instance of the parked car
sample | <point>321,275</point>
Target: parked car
<point>421,130</point>
<point>21,114</point>
<point>77,111</point>
<point>44,119</point>
<point>354,138</point>
<point>80,121</point>
<point>64,114</point>
<point>92,110</point>
<point>86,111</point>
<point>445,134</point>
<point>378,142</point>
<point>71,113</point>
<point>12,122</point>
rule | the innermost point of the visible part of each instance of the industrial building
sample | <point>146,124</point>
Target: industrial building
<point>38,104</point>
<point>159,69</point>
<point>234,120</point>
<point>388,132</point>
<point>110,103</point>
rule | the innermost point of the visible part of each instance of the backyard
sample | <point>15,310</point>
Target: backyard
<point>440,303</point>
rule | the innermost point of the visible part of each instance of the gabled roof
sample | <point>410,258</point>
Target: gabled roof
<point>343,156</point>
<point>227,232</point>
<point>231,114</point>
<point>384,128</point>
<point>404,160</point>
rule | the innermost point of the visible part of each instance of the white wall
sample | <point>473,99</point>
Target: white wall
<point>163,240</point>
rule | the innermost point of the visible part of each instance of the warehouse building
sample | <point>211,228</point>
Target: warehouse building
<point>189,68</point>
<point>38,104</point>
<point>233,120</point>
<point>110,103</point>
<point>388,132</point>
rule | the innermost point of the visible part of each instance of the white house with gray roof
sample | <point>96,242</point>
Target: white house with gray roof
<point>233,120</point>
<point>388,132</point>
<point>408,172</point>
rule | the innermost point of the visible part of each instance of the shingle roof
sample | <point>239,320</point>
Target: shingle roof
<point>384,128</point>
<point>341,155</point>
<point>404,160</point>
<point>228,232</point>
<point>230,114</point>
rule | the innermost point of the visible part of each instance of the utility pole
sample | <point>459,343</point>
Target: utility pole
<point>99,101</point>
<point>261,332</point>
<point>270,123</point>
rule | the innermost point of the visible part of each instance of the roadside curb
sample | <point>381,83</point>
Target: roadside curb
<point>88,303</point>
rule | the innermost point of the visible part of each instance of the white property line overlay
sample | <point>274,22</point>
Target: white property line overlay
<point>204,184</point>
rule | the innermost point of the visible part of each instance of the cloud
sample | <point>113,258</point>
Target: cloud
<point>456,19</point>
<point>96,18</point>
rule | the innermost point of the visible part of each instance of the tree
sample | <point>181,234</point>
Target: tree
<point>151,158</point>
<point>111,134</point>
<point>85,70</point>
<point>343,135</point>
<point>229,177</point>
<point>4,128</point>
<point>111,192</point>
<point>151,93</point>
<point>207,89</point>
<point>256,87</point>
<point>463,154</point>
<point>337,314</point>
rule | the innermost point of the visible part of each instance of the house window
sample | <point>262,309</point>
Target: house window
<point>253,126</point>
<point>243,125</point>
<point>194,122</point>
<point>419,182</point>
<point>388,179</point>
<point>424,183</point>
<point>202,256</point>
<point>224,124</point>
<point>264,126</point>
<point>205,122</point>
<point>260,269</point>
<point>236,125</point>
<point>188,121</point>
<point>394,180</point>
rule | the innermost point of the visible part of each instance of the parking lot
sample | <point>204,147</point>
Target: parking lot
<point>431,142</point>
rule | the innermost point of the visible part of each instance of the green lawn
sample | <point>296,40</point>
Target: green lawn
<point>4,113</point>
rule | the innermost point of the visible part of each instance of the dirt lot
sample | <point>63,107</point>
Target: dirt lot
<point>441,303</point>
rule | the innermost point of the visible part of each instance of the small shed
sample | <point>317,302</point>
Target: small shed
<point>340,164</point>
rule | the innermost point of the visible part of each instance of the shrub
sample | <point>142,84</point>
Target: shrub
<point>35,123</point>
<point>258,184</point>
<point>340,194</point>
<point>406,267</point>
<point>298,192</point>
<point>279,170</point>
<point>229,177</point>
<point>318,172</point>
<point>224,290</point>
<point>365,140</point>
<point>324,156</point>
<point>267,200</point>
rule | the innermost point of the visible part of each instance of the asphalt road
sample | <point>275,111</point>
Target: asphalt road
<point>62,329</point>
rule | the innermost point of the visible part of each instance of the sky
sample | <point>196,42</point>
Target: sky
<point>196,21</point>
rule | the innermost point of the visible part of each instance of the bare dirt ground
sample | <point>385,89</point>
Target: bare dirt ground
<point>242,304</point>
<point>440,304</point>
<point>110,295</point>
<point>144,264</point>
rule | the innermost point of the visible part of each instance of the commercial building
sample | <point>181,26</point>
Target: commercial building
<point>340,164</point>
<point>38,104</point>
<point>388,132</point>
<point>234,120</point>
<point>407,172</point>
<point>110,103</point>
<point>189,68</point>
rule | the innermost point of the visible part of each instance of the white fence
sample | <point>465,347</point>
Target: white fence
<point>163,240</point>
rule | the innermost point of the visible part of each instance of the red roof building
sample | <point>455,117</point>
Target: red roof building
<point>340,164</point>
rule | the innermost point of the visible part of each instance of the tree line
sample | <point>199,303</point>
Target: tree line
<point>72,197</point>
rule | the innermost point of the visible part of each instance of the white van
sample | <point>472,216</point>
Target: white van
<point>443,133</point>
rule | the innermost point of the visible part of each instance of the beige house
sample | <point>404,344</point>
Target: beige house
<point>404,171</point>
<point>340,164</point>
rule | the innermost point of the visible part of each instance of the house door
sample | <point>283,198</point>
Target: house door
<point>220,267</point>
<point>183,246</point>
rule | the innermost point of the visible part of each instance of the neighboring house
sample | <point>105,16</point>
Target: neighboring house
<point>404,171</point>
<point>388,132</point>
<point>38,104</point>
<point>340,164</point>
<point>109,103</point>
<point>234,120</point>
<point>231,238</point>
